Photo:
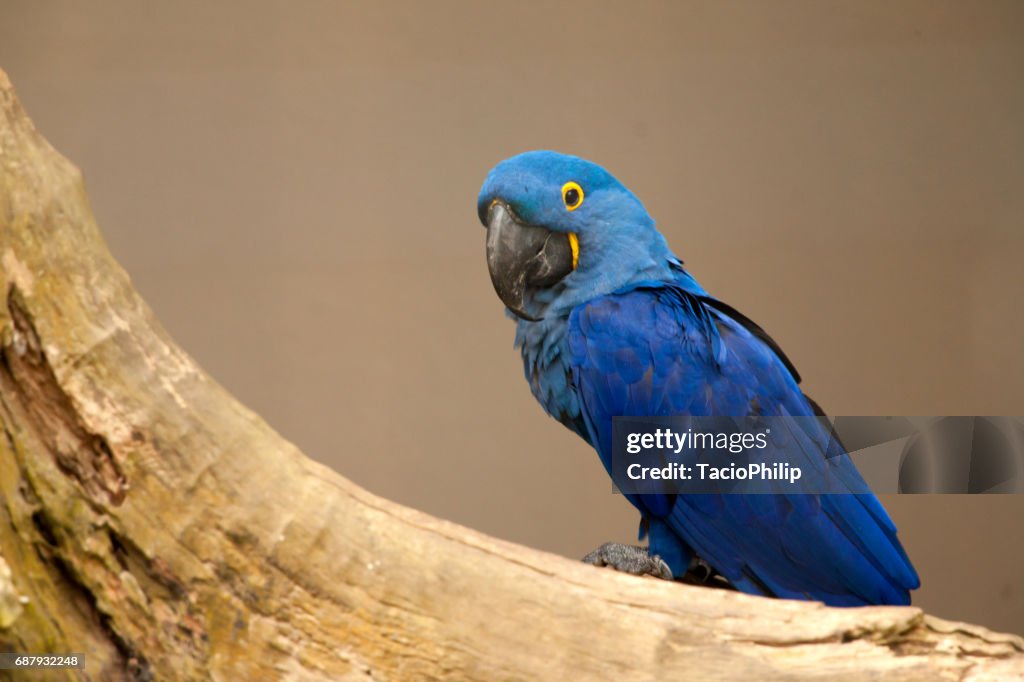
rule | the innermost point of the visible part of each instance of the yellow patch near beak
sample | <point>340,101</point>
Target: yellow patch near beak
<point>574,244</point>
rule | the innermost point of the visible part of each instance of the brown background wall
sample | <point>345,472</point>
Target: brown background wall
<point>292,187</point>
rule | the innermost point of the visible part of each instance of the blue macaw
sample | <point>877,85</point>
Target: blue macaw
<point>609,323</point>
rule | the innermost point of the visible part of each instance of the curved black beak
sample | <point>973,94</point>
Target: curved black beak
<point>523,257</point>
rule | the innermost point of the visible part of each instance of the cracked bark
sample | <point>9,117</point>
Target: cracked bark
<point>152,522</point>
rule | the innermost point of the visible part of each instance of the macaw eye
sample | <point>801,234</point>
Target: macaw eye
<point>572,195</point>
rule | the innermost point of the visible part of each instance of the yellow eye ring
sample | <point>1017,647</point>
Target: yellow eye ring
<point>572,195</point>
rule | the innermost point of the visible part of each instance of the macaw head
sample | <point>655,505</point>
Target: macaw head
<point>562,230</point>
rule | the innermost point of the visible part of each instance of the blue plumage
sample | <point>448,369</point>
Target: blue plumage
<point>628,332</point>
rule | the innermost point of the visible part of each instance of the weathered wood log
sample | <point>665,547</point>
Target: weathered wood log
<point>152,522</point>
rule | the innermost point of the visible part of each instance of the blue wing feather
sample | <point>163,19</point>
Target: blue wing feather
<point>660,350</point>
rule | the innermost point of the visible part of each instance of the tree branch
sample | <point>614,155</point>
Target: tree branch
<point>151,521</point>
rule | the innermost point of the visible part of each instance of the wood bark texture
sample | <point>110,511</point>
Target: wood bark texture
<point>150,521</point>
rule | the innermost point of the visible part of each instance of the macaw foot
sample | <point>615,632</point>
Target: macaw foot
<point>629,559</point>
<point>700,572</point>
